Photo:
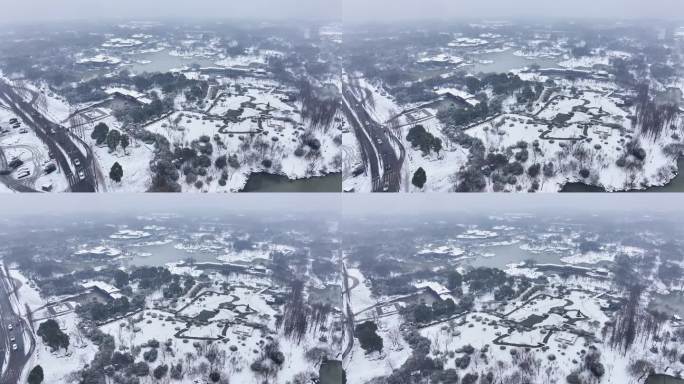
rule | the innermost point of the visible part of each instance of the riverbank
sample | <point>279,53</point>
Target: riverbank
<point>675,185</point>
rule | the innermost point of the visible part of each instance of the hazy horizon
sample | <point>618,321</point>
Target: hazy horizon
<point>73,204</point>
<point>337,10</point>
<point>397,10</point>
<point>84,10</point>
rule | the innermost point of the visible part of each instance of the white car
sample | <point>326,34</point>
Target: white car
<point>77,162</point>
<point>13,339</point>
<point>81,175</point>
<point>14,347</point>
<point>9,327</point>
<point>379,141</point>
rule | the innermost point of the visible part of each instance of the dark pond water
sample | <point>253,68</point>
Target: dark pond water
<point>265,182</point>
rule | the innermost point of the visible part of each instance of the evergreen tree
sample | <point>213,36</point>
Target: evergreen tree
<point>419,178</point>
<point>36,375</point>
<point>100,133</point>
<point>116,173</point>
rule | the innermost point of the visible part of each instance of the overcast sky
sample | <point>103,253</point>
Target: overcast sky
<point>351,10</point>
<point>32,10</point>
<point>500,203</point>
<point>379,10</point>
<point>274,204</point>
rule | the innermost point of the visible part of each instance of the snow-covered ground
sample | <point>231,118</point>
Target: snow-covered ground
<point>589,147</point>
<point>267,127</point>
<point>362,368</point>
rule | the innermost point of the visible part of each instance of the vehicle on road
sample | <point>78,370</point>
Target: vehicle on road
<point>81,175</point>
<point>379,141</point>
<point>14,347</point>
<point>23,130</point>
<point>9,327</point>
<point>385,186</point>
<point>77,162</point>
<point>13,339</point>
<point>49,168</point>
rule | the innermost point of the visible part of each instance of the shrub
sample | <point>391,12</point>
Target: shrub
<point>151,355</point>
<point>469,378</point>
<point>522,156</point>
<point>221,162</point>
<point>515,168</point>
<point>534,170</point>
<point>215,377</point>
<point>639,153</point>
<point>462,362</point>
<point>573,378</point>
<point>160,371</point>
<point>140,369</point>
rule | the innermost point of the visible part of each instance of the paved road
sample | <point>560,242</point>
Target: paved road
<point>368,153</point>
<point>57,138</point>
<point>349,316</point>
<point>379,148</point>
<point>17,359</point>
